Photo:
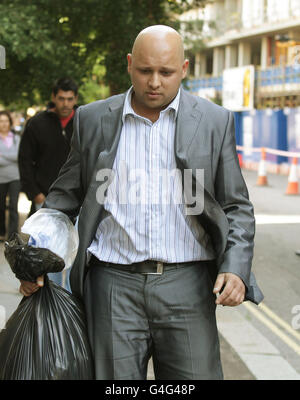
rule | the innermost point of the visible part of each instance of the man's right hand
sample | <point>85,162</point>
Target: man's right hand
<point>28,288</point>
<point>39,199</point>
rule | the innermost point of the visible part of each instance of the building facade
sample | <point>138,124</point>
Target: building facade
<point>263,34</point>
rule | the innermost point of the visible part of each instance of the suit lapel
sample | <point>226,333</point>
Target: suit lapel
<point>187,127</point>
<point>188,121</point>
<point>111,123</point>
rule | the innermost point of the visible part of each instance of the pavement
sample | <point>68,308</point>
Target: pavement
<point>247,350</point>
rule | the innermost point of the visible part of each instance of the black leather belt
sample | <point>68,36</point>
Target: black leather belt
<point>144,267</point>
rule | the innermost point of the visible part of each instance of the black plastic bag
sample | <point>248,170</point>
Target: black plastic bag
<point>28,262</point>
<point>46,337</point>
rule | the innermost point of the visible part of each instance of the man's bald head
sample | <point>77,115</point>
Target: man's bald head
<point>158,34</point>
<point>156,67</point>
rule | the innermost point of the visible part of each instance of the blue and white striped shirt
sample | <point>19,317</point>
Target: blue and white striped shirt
<point>142,225</point>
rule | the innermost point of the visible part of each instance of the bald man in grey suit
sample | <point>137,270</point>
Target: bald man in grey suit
<point>151,285</point>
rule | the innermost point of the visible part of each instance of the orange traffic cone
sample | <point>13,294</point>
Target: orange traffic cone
<point>262,170</point>
<point>240,157</point>
<point>292,187</point>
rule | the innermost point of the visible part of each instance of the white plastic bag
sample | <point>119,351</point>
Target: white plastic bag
<point>53,230</point>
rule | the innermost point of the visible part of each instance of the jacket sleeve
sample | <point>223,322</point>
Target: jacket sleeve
<point>28,151</point>
<point>232,195</point>
<point>66,193</point>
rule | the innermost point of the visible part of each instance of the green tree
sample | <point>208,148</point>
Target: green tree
<point>47,39</point>
<point>123,20</point>
<point>39,48</point>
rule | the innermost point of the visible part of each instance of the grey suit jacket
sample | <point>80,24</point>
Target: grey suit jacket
<point>204,139</point>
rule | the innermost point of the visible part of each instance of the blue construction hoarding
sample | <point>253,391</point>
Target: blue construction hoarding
<point>263,128</point>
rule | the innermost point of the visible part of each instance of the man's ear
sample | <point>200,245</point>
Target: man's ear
<point>185,67</point>
<point>52,97</point>
<point>129,62</point>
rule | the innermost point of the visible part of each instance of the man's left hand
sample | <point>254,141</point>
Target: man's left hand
<point>233,292</point>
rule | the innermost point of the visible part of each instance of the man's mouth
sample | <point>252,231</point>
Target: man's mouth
<point>153,94</point>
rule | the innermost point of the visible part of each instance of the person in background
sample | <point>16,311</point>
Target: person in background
<point>45,146</point>
<point>9,176</point>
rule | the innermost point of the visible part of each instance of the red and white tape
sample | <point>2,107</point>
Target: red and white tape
<point>270,151</point>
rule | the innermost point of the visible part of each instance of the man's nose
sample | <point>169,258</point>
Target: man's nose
<point>154,81</point>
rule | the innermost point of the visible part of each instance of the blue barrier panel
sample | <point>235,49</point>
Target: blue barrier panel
<point>238,129</point>
<point>264,128</point>
<point>293,128</point>
<point>281,129</point>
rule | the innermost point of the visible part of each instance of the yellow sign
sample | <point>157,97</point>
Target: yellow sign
<point>238,88</point>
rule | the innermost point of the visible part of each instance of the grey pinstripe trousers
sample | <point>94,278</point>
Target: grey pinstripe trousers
<point>170,317</point>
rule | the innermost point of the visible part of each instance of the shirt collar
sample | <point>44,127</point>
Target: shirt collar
<point>9,135</point>
<point>128,110</point>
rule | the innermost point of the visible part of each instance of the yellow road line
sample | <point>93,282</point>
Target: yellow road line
<point>286,339</point>
<point>279,320</point>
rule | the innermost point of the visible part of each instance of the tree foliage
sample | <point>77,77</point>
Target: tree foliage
<point>47,39</point>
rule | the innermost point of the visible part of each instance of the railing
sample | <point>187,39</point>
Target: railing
<point>282,78</point>
<point>194,85</point>
<point>277,78</point>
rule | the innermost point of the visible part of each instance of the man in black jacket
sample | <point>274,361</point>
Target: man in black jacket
<point>44,148</point>
<point>45,143</point>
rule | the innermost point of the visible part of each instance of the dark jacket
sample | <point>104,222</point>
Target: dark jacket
<point>44,149</point>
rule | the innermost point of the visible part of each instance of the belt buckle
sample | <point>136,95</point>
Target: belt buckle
<point>159,269</point>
